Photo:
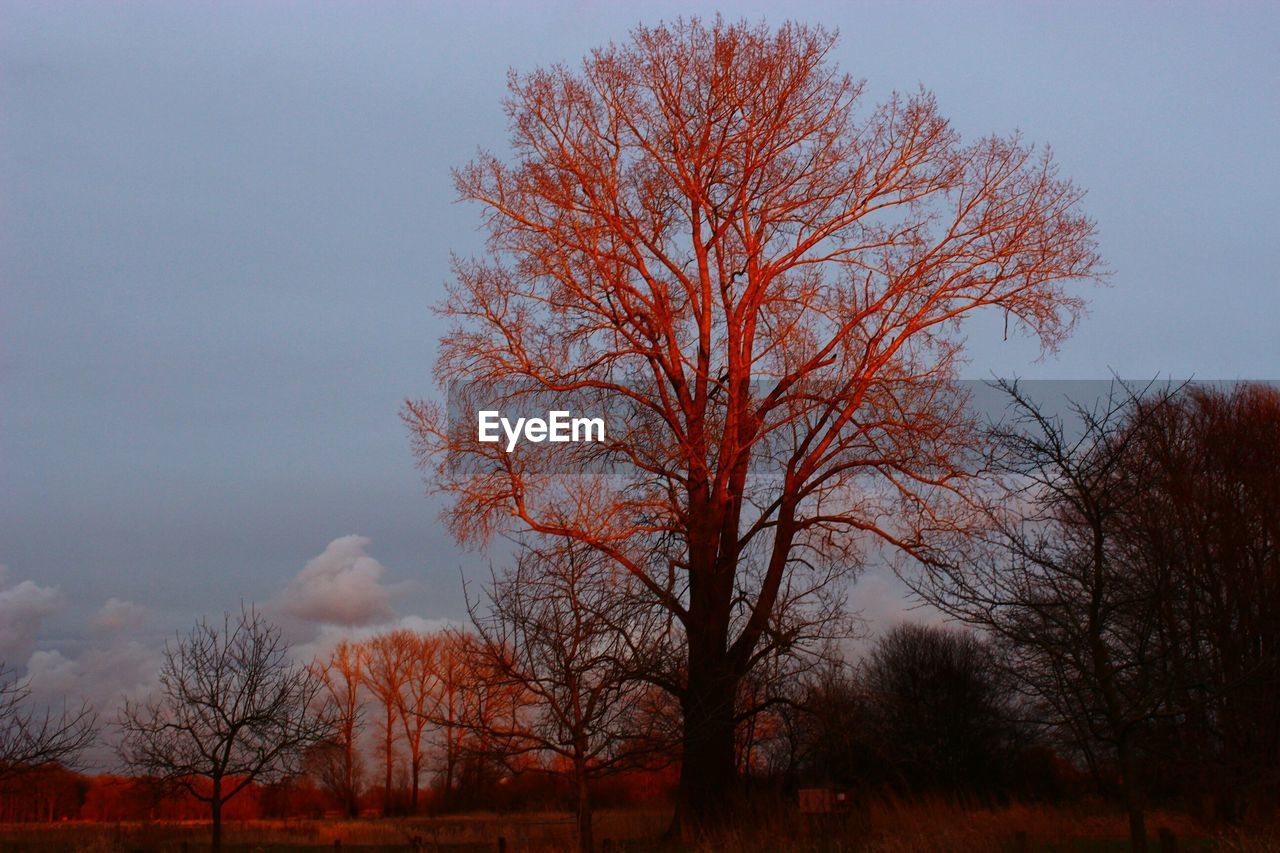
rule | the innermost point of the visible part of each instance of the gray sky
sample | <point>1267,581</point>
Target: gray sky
<point>221,229</point>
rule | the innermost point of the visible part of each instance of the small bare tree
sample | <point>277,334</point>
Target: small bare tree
<point>571,634</point>
<point>29,737</point>
<point>232,709</point>
<point>941,710</point>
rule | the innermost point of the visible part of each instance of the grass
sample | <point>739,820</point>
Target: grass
<point>452,834</point>
<point>883,825</point>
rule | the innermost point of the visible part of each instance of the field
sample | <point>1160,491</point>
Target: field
<point>885,825</point>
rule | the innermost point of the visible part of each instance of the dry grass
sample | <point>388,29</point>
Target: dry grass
<point>528,832</point>
<point>883,825</point>
<point>890,825</point>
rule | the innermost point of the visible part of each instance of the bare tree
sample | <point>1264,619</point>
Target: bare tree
<point>769,698</point>
<point>1204,535</point>
<point>419,699</point>
<point>491,709</point>
<point>1049,577</point>
<point>706,227</point>
<point>385,675</point>
<point>453,670</point>
<point>570,633</point>
<point>231,710</point>
<point>942,710</point>
<point>31,738</point>
<point>342,675</point>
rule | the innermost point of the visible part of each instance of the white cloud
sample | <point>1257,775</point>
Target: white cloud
<point>342,586</point>
<point>329,636</point>
<point>118,616</point>
<point>102,675</point>
<point>23,607</point>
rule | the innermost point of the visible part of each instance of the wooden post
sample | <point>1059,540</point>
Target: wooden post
<point>1021,844</point>
<point>337,844</point>
<point>502,844</point>
<point>1168,841</point>
<point>416,843</point>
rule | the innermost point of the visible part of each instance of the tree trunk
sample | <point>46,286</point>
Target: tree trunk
<point>349,778</point>
<point>389,748</point>
<point>586,844</point>
<point>708,771</point>
<point>417,771</point>
<point>1137,830</point>
<point>1133,797</point>
<point>215,808</point>
<point>450,766</point>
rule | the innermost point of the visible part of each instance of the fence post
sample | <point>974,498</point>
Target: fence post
<point>502,844</point>
<point>1168,841</point>
<point>1021,844</point>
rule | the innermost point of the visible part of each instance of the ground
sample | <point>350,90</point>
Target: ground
<point>885,826</point>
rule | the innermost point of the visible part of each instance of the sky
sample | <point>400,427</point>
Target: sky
<point>222,228</point>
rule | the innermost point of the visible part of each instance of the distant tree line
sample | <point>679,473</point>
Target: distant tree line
<point>1128,574</point>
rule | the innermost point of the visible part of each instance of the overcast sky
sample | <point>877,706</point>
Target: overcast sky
<point>222,227</point>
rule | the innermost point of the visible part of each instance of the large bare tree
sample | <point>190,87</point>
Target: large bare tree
<point>707,229</point>
<point>231,709</point>
<point>30,737</point>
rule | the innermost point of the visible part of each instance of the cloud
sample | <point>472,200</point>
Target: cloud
<point>342,586</point>
<point>100,674</point>
<point>117,616</point>
<point>23,608</point>
<point>329,636</point>
<point>103,675</point>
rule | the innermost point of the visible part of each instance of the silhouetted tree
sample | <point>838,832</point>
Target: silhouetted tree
<point>454,672</point>
<point>928,709</point>
<point>31,737</point>
<point>942,710</point>
<point>231,710</point>
<point>1049,578</point>
<point>570,634</point>
<point>1203,534</point>
<point>834,742</point>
